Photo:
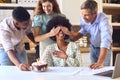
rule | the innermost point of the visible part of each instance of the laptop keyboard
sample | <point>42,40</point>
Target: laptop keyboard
<point>106,73</point>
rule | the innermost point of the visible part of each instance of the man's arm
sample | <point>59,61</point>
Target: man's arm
<point>5,39</point>
<point>106,40</point>
<point>102,56</point>
<point>15,60</point>
<point>101,59</point>
<point>13,57</point>
<point>73,36</point>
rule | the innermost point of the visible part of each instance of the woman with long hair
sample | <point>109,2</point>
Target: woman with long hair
<point>44,11</point>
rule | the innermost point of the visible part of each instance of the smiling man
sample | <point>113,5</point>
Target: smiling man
<point>12,31</point>
<point>97,25</point>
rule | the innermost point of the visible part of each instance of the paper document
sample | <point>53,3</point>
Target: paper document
<point>88,71</point>
<point>63,71</point>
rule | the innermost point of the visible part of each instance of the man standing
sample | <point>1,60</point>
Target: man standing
<point>12,31</point>
<point>97,25</point>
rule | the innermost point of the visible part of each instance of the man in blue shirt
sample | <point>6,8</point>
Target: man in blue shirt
<point>97,25</point>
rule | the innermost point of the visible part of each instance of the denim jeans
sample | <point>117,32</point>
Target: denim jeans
<point>4,59</point>
<point>94,55</point>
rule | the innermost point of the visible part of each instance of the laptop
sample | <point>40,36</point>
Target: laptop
<point>112,73</point>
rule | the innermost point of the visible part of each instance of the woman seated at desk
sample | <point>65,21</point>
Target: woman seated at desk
<point>63,52</point>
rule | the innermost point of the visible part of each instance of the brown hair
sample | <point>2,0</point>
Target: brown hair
<point>39,9</point>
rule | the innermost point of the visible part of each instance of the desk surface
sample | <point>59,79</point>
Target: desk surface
<point>53,73</point>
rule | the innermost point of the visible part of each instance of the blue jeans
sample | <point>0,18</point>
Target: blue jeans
<point>94,55</point>
<point>4,59</point>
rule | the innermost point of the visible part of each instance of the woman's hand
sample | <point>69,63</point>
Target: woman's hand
<point>60,54</point>
<point>54,31</point>
<point>66,31</point>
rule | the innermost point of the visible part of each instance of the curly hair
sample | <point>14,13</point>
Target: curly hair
<point>55,22</point>
<point>39,9</point>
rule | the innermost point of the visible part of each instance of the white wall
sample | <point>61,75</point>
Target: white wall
<point>71,8</point>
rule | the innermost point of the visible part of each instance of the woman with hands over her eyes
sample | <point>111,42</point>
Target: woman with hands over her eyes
<point>63,52</point>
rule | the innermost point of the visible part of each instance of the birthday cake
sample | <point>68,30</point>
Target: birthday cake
<point>39,66</point>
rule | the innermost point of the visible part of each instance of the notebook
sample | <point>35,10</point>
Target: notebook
<point>112,73</point>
